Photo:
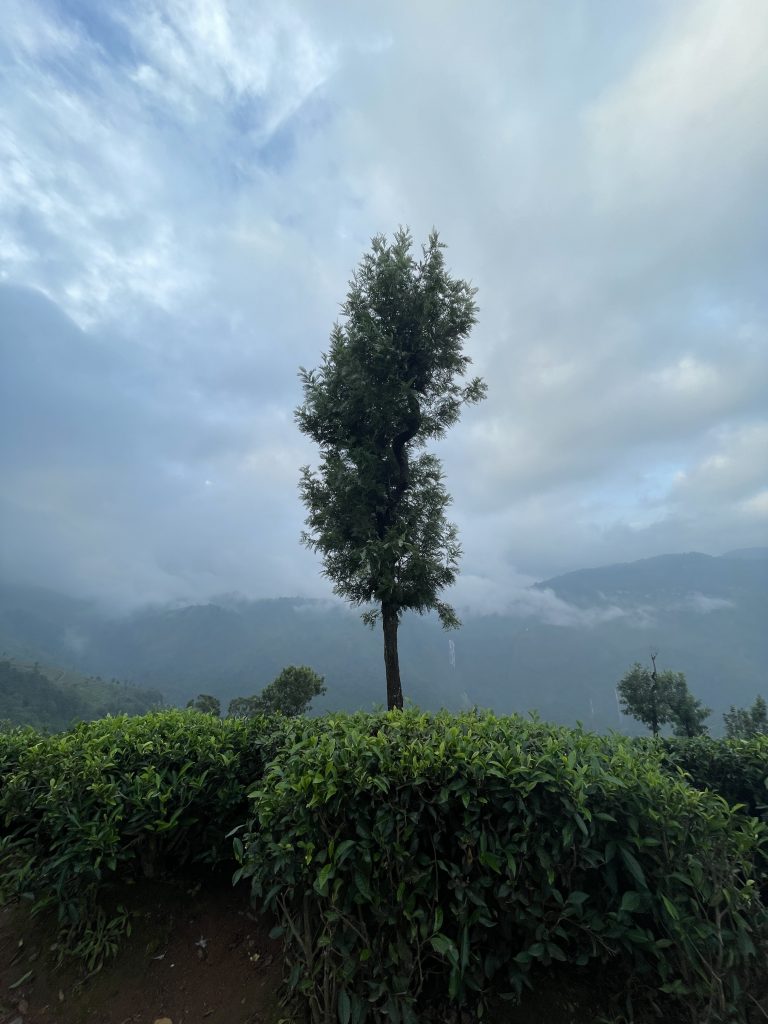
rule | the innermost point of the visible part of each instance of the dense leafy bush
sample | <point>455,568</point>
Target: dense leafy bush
<point>413,859</point>
<point>116,799</point>
<point>420,860</point>
<point>736,769</point>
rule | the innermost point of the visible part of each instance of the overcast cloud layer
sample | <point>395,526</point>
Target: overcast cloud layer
<point>185,188</point>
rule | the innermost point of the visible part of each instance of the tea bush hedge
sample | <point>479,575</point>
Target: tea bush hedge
<point>412,859</point>
<point>418,860</point>
<point>117,799</point>
<point>736,769</point>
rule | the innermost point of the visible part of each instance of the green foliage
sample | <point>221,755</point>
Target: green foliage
<point>657,699</point>
<point>688,712</point>
<point>53,698</point>
<point>242,707</point>
<point>736,769</point>
<point>291,693</point>
<point>743,723</point>
<point>413,860</point>
<point>207,704</point>
<point>389,383</point>
<point>419,860</point>
<point>118,799</point>
<point>647,699</point>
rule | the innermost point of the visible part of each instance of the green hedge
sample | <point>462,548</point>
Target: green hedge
<point>413,860</point>
<point>117,799</point>
<point>421,861</point>
<point>736,769</point>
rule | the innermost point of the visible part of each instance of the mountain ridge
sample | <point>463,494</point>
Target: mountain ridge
<point>560,647</point>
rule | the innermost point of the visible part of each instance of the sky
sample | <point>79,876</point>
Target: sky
<point>186,188</point>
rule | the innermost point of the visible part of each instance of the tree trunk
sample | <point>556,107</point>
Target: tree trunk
<point>654,699</point>
<point>391,621</point>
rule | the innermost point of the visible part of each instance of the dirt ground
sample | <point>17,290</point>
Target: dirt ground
<point>199,955</point>
<point>194,957</point>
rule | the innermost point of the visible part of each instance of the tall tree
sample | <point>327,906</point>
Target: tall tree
<point>390,382</point>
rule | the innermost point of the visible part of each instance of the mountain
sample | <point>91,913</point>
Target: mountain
<point>558,647</point>
<point>668,581</point>
<point>760,554</point>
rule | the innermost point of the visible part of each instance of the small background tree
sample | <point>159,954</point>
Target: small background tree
<point>688,712</point>
<point>207,704</point>
<point>241,707</point>
<point>291,693</point>
<point>743,723</point>
<point>644,696</point>
<point>659,698</point>
<point>389,383</point>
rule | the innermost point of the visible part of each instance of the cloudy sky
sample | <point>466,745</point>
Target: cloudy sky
<point>185,188</point>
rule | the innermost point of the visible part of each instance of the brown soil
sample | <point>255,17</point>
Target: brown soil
<point>194,957</point>
<point>199,955</point>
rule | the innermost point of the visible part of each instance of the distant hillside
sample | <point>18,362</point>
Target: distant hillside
<point>560,647</point>
<point>54,699</point>
<point>668,581</point>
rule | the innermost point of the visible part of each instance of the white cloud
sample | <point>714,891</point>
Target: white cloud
<point>757,506</point>
<point>681,126</point>
<point>704,604</point>
<point>686,377</point>
<point>212,50</point>
<point>33,32</point>
<point>735,468</point>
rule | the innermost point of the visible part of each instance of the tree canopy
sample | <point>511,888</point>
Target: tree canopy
<point>661,698</point>
<point>207,704</point>
<point>688,712</point>
<point>744,723</point>
<point>291,693</point>
<point>391,381</point>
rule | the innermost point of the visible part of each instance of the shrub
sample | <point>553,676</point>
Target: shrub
<point>420,860</point>
<point>736,769</point>
<point>120,798</point>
